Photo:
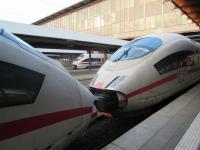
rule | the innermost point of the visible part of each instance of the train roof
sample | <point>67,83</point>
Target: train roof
<point>166,37</point>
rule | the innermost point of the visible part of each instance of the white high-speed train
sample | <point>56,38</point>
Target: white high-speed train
<point>41,105</point>
<point>82,62</point>
<point>145,71</point>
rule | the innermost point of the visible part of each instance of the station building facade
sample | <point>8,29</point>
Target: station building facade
<point>125,19</point>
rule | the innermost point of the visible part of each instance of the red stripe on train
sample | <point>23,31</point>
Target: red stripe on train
<point>158,83</point>
<point>152,85</point>
<point>22,126</point>
<point>85,62</point>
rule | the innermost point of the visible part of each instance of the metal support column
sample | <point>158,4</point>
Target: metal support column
<point>105,55</point>
<point>90,61</point>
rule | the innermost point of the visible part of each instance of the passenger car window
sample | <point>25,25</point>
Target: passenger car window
<point>96,59</point>
<point>18,85</point>
<point>136,49</point>
<point>174,61</point>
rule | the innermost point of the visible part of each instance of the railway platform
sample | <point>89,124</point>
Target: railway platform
<point>175,126</point>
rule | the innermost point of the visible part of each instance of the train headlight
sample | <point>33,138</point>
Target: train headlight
<point>114,83</point>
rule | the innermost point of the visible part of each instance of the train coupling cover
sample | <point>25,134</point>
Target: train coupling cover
<point>110,101</point>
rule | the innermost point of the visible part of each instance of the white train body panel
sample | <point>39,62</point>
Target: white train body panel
<point>140,81</point>
<point>54,115</point>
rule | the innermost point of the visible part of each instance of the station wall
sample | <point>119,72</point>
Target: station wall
<point>124,19</point>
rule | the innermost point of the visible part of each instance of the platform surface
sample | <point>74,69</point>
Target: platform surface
<point>176,126</point>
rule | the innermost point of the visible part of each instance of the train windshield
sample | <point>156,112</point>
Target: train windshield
<point>21,43</point>
<point>79,57</point>
<point>136,49</point>
<point>15,39</point>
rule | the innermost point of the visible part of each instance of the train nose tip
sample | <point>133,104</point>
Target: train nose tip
<point>110,102</point>
<point>105,104</point>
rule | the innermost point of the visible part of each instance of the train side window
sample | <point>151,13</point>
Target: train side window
<point>93,59</point>
<point>18,85</point>
<point>174,61</point>
<point>96,59</point>
<point>86,60</point>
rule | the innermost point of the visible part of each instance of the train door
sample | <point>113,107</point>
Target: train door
<point>181,73</point>
<point>173,67</point>
<point>94,62</point>
<point>98,62</point>
<point>185,62</point>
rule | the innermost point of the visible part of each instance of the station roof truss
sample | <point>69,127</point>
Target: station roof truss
<point>43,37</point>
<point>191,8</point>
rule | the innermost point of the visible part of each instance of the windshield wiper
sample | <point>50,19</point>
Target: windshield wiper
<point>125,53</point>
